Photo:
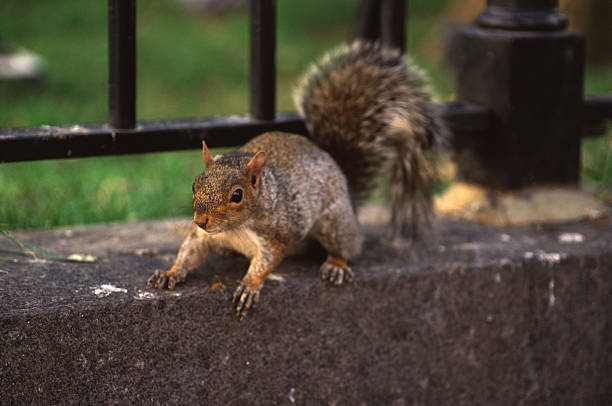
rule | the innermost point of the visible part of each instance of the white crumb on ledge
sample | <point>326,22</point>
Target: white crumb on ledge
<point>142,295</point>
<point>549,258</point>
<point>571,238</point>
<point>106,289</point>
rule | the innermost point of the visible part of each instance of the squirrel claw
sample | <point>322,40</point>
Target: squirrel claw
<point>160,280</point>
<point>335,274</point>
<point>245,297</point>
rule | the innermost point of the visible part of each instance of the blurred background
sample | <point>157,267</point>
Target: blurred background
<point>193,62</point>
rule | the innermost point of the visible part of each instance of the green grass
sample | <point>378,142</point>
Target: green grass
<point>46,194</point>
<point>189,65</point>
<point>597,152</point>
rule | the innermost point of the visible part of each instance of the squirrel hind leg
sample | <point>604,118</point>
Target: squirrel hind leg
<point>338,232</point>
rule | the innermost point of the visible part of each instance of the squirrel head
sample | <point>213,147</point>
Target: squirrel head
<point>225,194</point>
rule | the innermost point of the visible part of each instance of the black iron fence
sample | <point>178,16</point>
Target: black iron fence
<point>520,113</point>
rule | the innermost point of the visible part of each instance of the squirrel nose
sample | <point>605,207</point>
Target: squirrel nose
<point>202,221</point>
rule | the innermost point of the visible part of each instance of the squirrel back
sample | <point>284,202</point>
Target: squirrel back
<point>372,111</point>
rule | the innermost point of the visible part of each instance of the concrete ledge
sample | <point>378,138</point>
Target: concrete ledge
<point>494,316</point>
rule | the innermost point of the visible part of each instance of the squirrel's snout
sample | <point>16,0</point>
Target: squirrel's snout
<point>201,221</point>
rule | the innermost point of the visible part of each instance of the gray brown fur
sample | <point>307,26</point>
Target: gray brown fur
<point>301,194</point>
<point>371,109</point>
<point>363,108</point>
<point>304,186</point>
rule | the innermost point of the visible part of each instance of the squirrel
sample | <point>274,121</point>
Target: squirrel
<point>367,109</point>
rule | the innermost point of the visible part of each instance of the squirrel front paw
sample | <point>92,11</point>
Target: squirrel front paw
<point>164,280</point>
<point>245,297</point>
<point>336,271</point>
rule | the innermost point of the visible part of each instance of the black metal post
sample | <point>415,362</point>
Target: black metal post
<point>519,62</point>
<point>262,59</point>
<point>523,15</point>
<point>122,63</point>
<point>393,23</point>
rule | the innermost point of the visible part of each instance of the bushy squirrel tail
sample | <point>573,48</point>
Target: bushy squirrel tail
<point>372,111</point>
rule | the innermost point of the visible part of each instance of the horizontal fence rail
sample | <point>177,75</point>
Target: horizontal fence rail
<point>52,142</point>
<point>72,141</point>
<point>597,108</point>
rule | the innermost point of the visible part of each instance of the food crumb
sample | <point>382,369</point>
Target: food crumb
<point>143,295</point>
<point>82,258</point>
<point>569,238</point>
<point>106,289</point>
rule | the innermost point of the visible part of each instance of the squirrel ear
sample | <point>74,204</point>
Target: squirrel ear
<point>255,167</point>
<point>206,155</point>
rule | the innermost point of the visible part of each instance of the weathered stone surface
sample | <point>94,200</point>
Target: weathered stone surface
<point>493,316</point>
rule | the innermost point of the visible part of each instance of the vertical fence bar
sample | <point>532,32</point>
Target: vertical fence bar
<point>262,59</point>
<point>122,63</point>
<point>367,23</point>
<point>393,22</point>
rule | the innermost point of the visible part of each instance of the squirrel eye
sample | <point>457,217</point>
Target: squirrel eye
<point>236,196</point>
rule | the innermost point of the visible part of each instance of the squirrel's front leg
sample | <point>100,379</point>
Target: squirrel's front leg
<point>194,250</point>
<point>270,253</point>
